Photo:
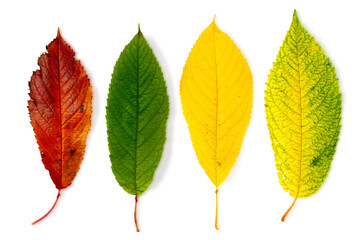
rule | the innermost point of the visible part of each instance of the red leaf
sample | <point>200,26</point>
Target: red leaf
<point>60,111</point>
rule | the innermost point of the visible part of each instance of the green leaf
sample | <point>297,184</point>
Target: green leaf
<point>136,114</point>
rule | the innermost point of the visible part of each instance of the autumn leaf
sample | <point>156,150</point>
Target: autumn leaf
<point>216,96</point>
<point>303,107</point>
<point>136,114</point>
<point>60,111</point>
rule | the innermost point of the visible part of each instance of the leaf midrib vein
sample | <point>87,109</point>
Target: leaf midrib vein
<point>216,106</point>
<point>301,110</point>
<point>137,108</point>
<point>60,105</point>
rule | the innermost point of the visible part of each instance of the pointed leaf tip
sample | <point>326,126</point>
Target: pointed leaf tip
<point>58,32</point>
<point>139,31</point>
<point>213,24</point>
<point>295,17</point>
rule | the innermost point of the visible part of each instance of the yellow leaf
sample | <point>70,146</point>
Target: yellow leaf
<point>216,96</point>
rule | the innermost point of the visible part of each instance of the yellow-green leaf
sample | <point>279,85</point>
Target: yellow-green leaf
<point>216,96</point>
<point>303,107</point>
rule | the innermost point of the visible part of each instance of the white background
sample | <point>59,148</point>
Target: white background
<point>180,203</point>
